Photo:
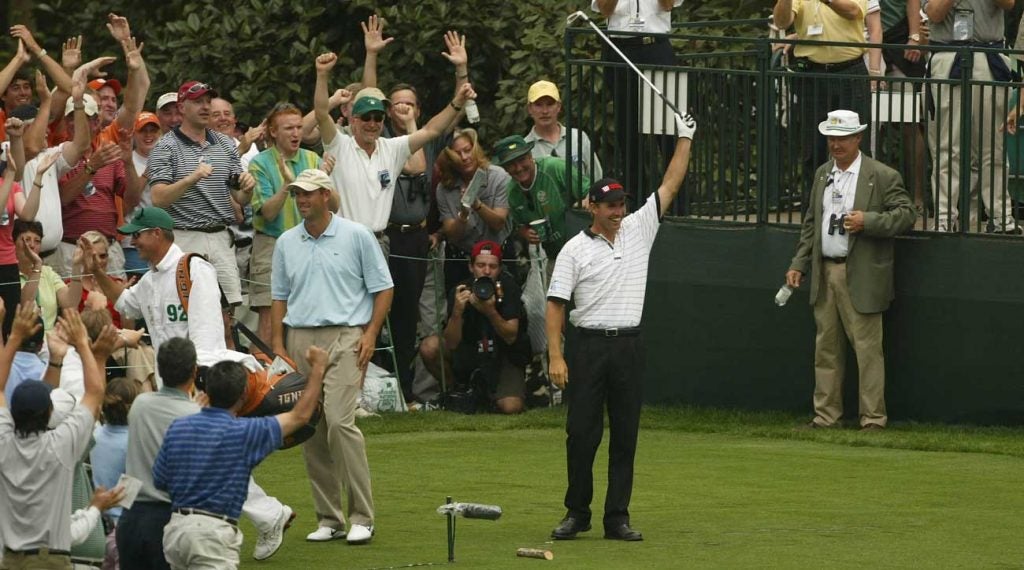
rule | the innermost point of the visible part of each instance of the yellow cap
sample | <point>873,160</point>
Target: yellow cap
<point>543,89</point>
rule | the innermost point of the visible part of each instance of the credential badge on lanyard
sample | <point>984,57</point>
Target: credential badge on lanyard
<point>385,179</point>
<point>963,25</point>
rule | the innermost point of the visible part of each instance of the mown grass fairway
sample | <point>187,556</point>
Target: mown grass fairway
<point>712,490</point>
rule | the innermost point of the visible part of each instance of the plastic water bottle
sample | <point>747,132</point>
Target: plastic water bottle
<point>782,297</point>
<point>472,113</point>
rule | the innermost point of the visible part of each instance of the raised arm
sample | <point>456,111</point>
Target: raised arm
<point>95,384</point>
<point>35,133</point>
<point>440,122</point>
<point>676,172</point>
<point>25,325</point>
<point>53,69</point>
<point>324,64</point>
<point>15,128</point>
<point>138,84</point>
<point>310,126</point>
<point>92,264</point>
<point>457,56</point>
<point>28,207</point>
<point>373,39</point>
<point>303,410</point>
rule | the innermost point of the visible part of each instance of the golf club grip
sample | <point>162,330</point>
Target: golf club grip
<point>478,511</point>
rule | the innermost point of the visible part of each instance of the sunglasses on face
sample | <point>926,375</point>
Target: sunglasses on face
<point>375,117</point>
<point>136,235</point>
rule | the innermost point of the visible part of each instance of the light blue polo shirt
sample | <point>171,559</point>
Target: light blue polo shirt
<point>329,280</point>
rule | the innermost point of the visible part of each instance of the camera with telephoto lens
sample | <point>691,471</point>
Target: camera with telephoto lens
<point>233,182</point>
<point>483,288</point>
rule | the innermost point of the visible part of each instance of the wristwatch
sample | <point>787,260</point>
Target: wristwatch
<point>915,37</point>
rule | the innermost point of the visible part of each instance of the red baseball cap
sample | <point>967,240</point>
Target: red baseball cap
<point>486,247</point>
<point>194,90</point>
<point>114,84</point>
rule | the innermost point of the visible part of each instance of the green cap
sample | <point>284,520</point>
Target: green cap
<point>148,218</point>
<point>366,104</point>
<point>511,148</point>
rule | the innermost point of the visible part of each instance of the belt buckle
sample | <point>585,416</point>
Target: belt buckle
<point>647,40</point>
<point>610,333</point>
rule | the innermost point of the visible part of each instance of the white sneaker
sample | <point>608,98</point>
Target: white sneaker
<point>359,534</point>
<point>325,533</point>
<point>269,542</point>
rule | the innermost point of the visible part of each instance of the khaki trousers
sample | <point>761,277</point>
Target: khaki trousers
<point>41,561</point>
<point>988,161</point>
<point>838,322</point>
<point>199,541</point>
<point>336,455</point>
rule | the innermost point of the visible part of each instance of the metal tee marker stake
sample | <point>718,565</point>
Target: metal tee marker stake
<point>466,510</point>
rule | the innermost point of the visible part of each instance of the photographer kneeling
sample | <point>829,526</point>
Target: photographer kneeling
<point>486,347</point>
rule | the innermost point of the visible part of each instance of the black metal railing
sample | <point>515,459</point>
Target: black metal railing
<point>757,144</point>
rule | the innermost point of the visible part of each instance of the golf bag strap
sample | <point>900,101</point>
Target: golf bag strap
<point>184,279</point>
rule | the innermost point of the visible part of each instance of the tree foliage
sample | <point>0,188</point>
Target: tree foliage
<point>259,52</point>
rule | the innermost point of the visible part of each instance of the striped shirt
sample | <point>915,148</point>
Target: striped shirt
<point>206,459</point>
<point>208,203</point>
<point>94,208</point>
<point>608,280</point>
<point>268,177</point>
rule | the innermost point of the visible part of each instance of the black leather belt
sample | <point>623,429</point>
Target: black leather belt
<point>37,552</point>
<point>832,67</point>
<point>639,41</point>
<point>408,228</point>
<point>836,259</point>
<point>207,229</point>
<point>243,242</point>
<point>611,333</point>
<point>225,518</point>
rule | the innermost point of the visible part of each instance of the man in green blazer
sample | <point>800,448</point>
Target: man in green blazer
<point>846,244</point>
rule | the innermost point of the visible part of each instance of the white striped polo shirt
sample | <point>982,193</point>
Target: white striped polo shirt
<point>608,280</point>
<point>208,203</point>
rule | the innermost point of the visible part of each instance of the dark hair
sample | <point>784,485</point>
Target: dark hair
<point>117,400</point>
<point>225,383</point>
<point>176,361</point>
<point>28,423</point>
<point>35,342</point>
<point>404,87</point>
<point>22,226</point>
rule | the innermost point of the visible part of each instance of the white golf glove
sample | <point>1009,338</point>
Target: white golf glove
<point>685,126</point>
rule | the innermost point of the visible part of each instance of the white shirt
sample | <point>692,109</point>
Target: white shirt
<point>49,214</point>
<point>366,183</point>
<point>840,190</point>
<point>608,280</point>
<point>146,199</point>
<point>656,20</point>
<point>155,299</point>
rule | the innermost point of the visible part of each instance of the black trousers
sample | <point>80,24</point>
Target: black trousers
<point>847,89</point>
<point>628,164</point>
<point>140,536</point>
<point>408,276</point>
<point>603,372</point>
